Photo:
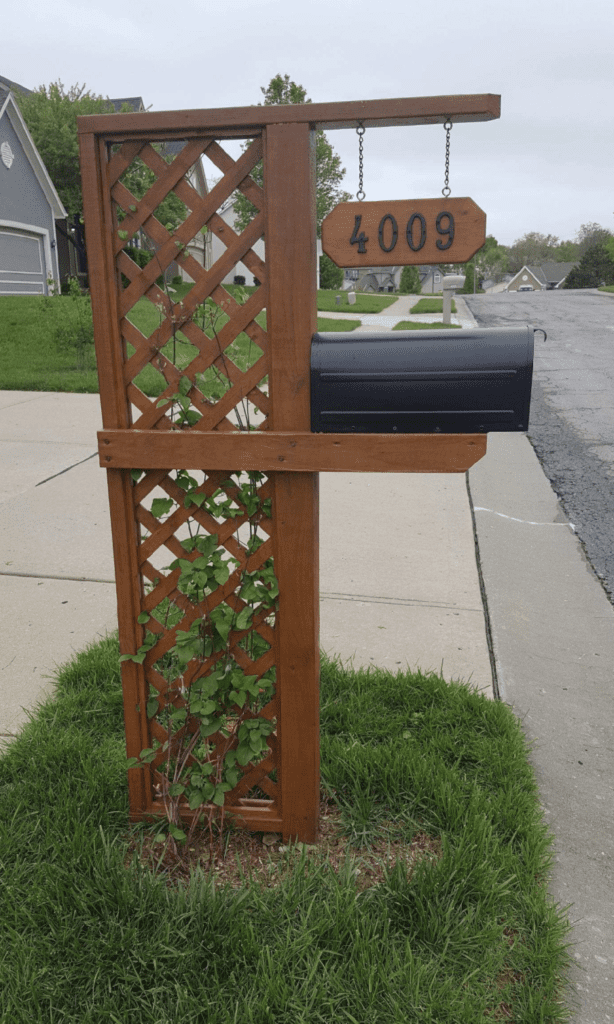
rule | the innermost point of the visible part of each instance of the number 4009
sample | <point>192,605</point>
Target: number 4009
<point>415,232</point>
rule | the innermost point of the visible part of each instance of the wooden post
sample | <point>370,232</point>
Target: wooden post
<point>285,449</point>
<point>116,413</point>
<point>289,176</point>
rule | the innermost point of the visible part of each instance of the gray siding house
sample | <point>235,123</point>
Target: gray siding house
<point>540,278</point>
<point>29,206</point>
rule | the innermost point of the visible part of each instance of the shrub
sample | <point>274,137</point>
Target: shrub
<point>410,281</point>
<point>331,276</point>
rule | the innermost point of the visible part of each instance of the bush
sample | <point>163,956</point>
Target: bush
<point>139,256</point>
<point>410,281</point>
<point>331,276</point>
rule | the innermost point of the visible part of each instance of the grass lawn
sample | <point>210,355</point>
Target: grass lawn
<point>412,325</point>
<point>31,360</point>
<point>607,288</point>
<point>366,302</point>
<point>428,305</point>
<point>439,913</point>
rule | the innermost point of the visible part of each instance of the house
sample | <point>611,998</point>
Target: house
<point>540,278</point>
<point>29,208</point>
<point>431,280</point>
<point>239,274</point>
<point>373,279</point>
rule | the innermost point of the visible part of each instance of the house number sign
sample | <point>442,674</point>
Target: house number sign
<point>403,232</point>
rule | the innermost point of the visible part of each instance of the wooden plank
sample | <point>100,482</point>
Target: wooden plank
<point>372,113</point>
<point>403,232</point>
<point>102,277</point>
<point>292,451</point>
<point>128,588</point>
<point>116,413</point>
<point>290,239</point>
<point>256,815</point>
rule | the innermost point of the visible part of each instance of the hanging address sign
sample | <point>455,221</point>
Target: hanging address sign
<point>403,232</point>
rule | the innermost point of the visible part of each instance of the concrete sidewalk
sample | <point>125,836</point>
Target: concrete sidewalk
<point>399,583</point>
<point>450,573</point>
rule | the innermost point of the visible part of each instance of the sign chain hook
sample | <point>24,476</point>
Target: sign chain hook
<point>446,190</point>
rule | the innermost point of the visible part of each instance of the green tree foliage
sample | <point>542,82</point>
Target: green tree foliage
<point>594,269</point>
<point>532,248</point>
<point>567,252</point>
<point>51,112</point>
<point>331,276</point>
<point>410,281</point>
<point>329,172</point>
<point>588,236</point>
<point>492,260</point>
<point>468,269</point>
<point>138,179</point>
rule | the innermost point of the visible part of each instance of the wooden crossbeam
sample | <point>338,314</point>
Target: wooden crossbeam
<point>180,124</point>
<point>291,452</point>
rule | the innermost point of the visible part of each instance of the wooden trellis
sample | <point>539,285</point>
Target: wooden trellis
<point>257,417</point>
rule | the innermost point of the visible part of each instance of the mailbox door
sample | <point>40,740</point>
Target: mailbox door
<point>455,381</point>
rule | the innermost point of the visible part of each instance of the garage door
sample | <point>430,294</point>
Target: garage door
<point>22,263</point>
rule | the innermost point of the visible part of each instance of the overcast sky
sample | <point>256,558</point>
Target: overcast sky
<point>546,165</point>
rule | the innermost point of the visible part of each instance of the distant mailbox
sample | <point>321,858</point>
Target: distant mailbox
<point>415,382</point>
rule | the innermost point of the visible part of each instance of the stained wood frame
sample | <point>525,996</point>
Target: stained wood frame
<point>287,451</point>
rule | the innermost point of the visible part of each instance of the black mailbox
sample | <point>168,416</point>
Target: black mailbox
<point>418,382</point>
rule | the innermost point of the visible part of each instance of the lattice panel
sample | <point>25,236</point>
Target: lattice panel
<point>209,338</point>
<point>199,364</point>
<point>173,610</point>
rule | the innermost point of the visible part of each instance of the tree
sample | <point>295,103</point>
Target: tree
<point>590,235</point>
<point>594,269</point>
<point>331,276</point>
<point>329,172</point>
<point>410,281</point>
<point>532,248</point>
<point>469,272</point>
<point>51,112</point>
<point>567,252</point>
<point>492,259</point>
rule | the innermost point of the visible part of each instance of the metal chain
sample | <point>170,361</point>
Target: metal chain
<point>360,131</point>
<point>446,190</point>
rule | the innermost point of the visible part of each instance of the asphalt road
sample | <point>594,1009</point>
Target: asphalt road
<point>571,426</point>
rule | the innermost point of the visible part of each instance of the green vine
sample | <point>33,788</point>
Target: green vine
<point>212,723</point>
<point>214,729</point>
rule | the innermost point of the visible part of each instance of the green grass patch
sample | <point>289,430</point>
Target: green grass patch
<point>428,305</point>
<point>89,936</point>
<point>366,302</point>
<point>413,325</point>
<point>606,288</point>
<point>32,360</point>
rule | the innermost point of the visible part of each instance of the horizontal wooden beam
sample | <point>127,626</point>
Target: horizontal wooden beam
<point>254,815</point>
<point>372,113</point>
<point>270,451</point>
